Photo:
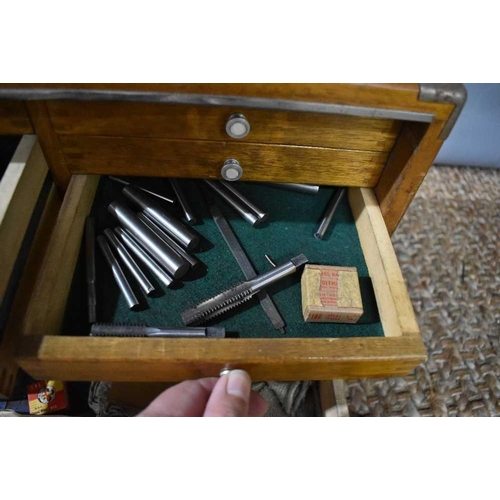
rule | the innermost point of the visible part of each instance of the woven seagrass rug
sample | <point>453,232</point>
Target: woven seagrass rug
<point>448,245</point>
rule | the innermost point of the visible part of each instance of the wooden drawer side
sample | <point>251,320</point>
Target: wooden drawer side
<point>396,310</point>
<point>28,205</point>
<point>13,328</point>
<point>19,189</point>
<point>46,309</point>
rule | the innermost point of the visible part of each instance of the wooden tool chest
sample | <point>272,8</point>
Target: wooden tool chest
<point>377,139</point>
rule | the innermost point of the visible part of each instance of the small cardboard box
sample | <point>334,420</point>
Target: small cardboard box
<point>331,294</point>
<point>46,397</point>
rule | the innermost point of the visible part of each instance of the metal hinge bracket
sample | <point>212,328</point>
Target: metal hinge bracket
<point>454,93</point>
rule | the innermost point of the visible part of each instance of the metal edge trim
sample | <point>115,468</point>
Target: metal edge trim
<point>454,93</point>
<point>214,100</point>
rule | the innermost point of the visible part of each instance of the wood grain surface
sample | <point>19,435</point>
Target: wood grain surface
<point>156,360</point>
<point>123,119</point>
<point>393,301</point>
<point>408,164</point>
<point>45,312</point>
<point>20,187</point>
<point>260,162</point>
<point>13,329</point>
<point>49,142</point>
<point>14,118</point>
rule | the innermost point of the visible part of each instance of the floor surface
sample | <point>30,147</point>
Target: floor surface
<point>448,245</point>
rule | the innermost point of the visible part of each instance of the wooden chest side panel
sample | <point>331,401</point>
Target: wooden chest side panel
<point>126,119</point>
<point>260,162</point>
<point>45,311</point>
<point>14,118</point>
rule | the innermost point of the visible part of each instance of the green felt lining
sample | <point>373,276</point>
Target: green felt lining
<point>293,218</point>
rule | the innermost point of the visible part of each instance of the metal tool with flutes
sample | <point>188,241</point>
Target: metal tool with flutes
<point>166,257</point>
<point>246,266</point>
<point>129,262</point>
<point>125,183</point>
<point>186,207</point>
<point>179,232</point>
<point>244,210</point>
<point>329,213</point>
<point>241,293</point>
<point>127,330</point>
<point>90,268</point>
<point>118,274</point>
<point>134,246</point>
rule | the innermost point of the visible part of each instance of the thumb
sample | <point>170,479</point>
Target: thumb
<point>230,396</point>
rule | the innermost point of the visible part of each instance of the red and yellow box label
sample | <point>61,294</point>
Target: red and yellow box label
<point>46,397</point>
<point>331,294</point>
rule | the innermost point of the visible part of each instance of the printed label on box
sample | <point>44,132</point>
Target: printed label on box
<point>46,397</point>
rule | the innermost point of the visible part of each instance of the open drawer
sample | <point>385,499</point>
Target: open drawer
<point>49,349</point>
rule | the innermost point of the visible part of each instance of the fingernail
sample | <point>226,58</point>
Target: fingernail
<point>239,384</point>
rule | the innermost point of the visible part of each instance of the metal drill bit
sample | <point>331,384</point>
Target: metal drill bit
<point>242,209</point>
<point>129,330</point>
<point>247,268</point>
<point>193,261</point>
<point>240,293</point>
<point>134,246</point>
<point>258,212</point>
<point>90,265</point>
<point>298,188</point>
<point>120,278</point>
<point>185,236</point>
<point>129,262</point>
<point>186,208</point>
<point>329,213</point>
<point>121,181</point>
<point>165,256</point>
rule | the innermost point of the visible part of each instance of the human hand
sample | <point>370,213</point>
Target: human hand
<point>228,396</point>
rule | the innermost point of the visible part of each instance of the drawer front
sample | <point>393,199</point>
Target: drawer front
<point>44,353</point>
<point>260,162</point>
<point>112,119</point>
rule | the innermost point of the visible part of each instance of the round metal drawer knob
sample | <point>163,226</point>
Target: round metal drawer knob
<point>237,126</point>
<point>231,170</point>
